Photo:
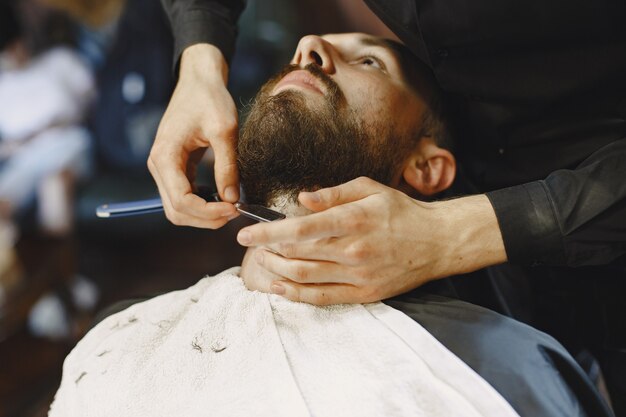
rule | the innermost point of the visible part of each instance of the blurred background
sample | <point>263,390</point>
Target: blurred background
<point>83,85</point>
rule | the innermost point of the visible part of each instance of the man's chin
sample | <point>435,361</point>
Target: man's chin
<point>297,98</point>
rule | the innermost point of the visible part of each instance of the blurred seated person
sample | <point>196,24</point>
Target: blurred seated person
<point>44,96</point>
<point>226,347</point>
<point>129,46</point>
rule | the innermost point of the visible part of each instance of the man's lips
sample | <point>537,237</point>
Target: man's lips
<point>300,78</point>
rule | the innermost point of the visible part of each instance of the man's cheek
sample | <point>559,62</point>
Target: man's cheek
<point>369,105</point>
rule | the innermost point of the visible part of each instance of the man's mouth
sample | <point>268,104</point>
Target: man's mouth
<point>299,78</point>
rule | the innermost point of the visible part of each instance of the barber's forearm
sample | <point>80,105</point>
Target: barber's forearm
<point>470,226</point>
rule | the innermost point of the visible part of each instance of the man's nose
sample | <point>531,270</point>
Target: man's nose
<point>314,50</point>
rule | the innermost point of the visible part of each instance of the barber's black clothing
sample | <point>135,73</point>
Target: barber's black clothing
<point>539,89</point>
<point>539,92</point>
<point>202,21</point>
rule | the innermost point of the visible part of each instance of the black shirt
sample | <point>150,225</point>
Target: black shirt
<point>538,90</point>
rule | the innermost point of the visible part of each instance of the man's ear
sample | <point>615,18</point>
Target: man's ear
<point>430,169</point>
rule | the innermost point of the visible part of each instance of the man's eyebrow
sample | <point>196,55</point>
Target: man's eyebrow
<point>383,43</point>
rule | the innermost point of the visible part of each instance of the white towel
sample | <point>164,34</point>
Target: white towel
<point>217,349</point>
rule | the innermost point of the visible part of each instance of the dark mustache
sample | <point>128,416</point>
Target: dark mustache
<point>335,95</point>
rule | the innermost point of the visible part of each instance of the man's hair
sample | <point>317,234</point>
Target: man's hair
<point>420,78</point>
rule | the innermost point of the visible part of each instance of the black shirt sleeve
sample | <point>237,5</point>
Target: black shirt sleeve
<point>204,21</point>
<point>573,217</point>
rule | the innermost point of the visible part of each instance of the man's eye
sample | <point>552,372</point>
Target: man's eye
<point>372,61</point>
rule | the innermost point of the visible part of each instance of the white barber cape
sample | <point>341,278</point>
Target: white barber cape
<point>217,349</point>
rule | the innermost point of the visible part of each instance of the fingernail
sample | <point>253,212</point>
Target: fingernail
<point>230,194</point>
<point>244,237</point>
<point>232,216</point>
<point>277,289</point>
<point>315,197</point>
<point>259,256</point>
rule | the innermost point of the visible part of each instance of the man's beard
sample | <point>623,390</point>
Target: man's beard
<point>287,146</point>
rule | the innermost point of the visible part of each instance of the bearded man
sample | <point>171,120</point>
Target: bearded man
<point>226,346</point>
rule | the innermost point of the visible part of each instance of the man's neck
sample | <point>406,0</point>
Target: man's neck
<point>286,205</point>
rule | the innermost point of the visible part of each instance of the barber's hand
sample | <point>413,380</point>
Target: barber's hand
<point>201,113</point>
<point>367,242</point>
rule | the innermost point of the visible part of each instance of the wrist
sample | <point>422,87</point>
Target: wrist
<point>203,62</point>
<point>473,233</point>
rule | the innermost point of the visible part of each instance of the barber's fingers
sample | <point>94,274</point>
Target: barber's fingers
<point>181,206</point>
<point>318,294</point>
<point>348,219</point>
<point>348,250</point>
<point>354,190</point>
<point>306,272</point>
<point>226,171</point>
<point>319,249</point>
<point>215,222</point>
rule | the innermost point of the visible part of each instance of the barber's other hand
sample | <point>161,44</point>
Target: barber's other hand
<point>367,242</point>
<point>201,113</point>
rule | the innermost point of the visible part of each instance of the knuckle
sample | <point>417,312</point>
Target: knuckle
<point>334,194</point>
<point>150,163</point>
<point>356,222</point>
<point>357,218</point>
<point>301,274</point>
<point>226,167</point>
<point>357,252</point>
<point>296,295</point>
<point>227,126</point>
<point>287,250</point>
<point>153,161</point>
<point>362,274</point>
<point>300,231</point>
<point>175,219</point>
<point>156,152</point>
<point>177,204</point>
<point>362,277</point>
<point>371,293</point>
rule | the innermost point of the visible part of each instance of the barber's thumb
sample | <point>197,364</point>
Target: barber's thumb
<point>326,198</point>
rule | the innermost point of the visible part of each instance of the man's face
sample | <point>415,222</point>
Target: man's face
<point>340,110</point>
